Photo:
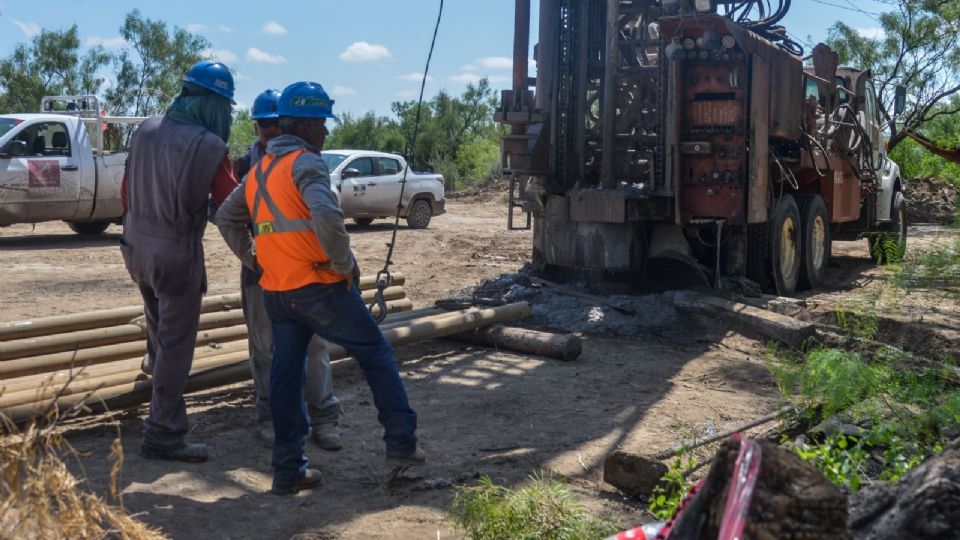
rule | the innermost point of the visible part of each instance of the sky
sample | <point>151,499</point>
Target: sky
<point>366,53</point>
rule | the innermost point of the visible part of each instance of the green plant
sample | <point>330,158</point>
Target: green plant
<point>672,489</point>
<point>542,508</point>
<point>840,458</point>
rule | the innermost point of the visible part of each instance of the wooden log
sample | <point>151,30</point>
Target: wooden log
<point>133,393</point>
<point>59,324</point>
<point>560,346</point>
<point>791,331</point>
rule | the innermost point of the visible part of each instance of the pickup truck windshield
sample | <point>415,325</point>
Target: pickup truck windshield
<point>332,160</point>
<point>6,124</point>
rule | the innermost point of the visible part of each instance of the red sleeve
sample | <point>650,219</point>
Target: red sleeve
<point>224,182</point>
<point>123,192</point>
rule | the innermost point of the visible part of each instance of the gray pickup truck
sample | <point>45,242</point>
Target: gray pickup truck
<point>368,184</point>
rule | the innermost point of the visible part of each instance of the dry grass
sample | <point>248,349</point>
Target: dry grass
<point>41,499</point>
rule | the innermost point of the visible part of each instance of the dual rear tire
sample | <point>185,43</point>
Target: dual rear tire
<point>792,249</point>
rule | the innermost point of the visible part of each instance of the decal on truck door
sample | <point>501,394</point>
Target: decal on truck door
<point>44,173</point>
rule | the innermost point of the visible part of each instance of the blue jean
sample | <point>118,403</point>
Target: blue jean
<point>338,315</point>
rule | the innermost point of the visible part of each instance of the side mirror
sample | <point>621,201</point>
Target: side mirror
<point>900,99</point>
<point>349,173</point>
<point>15,148</point>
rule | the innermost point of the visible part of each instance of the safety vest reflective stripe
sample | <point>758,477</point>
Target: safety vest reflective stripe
<point>288,250</point>
<point>280,223</point>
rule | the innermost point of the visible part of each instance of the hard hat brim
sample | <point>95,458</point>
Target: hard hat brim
<point>214,89</point>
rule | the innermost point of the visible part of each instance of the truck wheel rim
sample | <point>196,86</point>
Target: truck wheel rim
<point>788,250</point>
<point>420,213</point>
<point>819,242</point>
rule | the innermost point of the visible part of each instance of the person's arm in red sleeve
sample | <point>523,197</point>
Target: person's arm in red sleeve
<point>224,182</point>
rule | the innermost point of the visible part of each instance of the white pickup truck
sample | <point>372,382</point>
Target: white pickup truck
<point>53,166</point>
<point>368,184</point>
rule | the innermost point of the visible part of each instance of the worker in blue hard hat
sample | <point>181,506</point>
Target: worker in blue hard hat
<point>177,164</point>
<point>309,284</point>
<point>323,408</point>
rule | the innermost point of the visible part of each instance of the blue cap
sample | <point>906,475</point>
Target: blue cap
<point>305,100</point>
<point>213,76</point>
<point>265,106</point>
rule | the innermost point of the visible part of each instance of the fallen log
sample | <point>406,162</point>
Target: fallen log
<point>790,499</point>
<point>791,331</point>
<point>923,504</point>
<point>111,317</point>
<point>560,346</point>
<point>134,393</point>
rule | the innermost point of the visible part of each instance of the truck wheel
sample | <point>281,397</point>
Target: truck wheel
<point>420,214</point>
<point>888,247</point>
<point>773,252</point>
<point>815,242</point>
<point>89,228</point>
<point>363,221</point>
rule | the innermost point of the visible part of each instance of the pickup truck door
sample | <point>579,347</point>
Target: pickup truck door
<point>354,192</point>
<point>384,190</point>
<point>44,183</point>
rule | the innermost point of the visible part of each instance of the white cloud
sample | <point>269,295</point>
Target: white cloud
<point>466,78</point>
<point>106,43</point>
<point>415,77</point>
<point>362,51</point>
<point>469,67</point>
<point>256,55</point>
<point>225,28</point>
<point>341,91</point>
<point>275,28</point>
<point>194,28</point>
<point>871,33</point>
<point>407,94</point>
<point>241,77</point>
<point>220,55</point>
<point>495,62</point>
<point>30,29</point>
<point>498,79</point>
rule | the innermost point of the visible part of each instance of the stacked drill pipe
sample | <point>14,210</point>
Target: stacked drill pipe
<point>94,358</point>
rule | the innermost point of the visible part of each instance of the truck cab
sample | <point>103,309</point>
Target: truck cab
<point>54,167</point>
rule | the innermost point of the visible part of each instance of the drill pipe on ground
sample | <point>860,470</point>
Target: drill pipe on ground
<point>85,339</point>
<point>51,382</point>
<point>60,324</point>
<point>134,393</point>
<point>46,363</point>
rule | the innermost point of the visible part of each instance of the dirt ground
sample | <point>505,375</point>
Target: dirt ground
<point>482,411</point>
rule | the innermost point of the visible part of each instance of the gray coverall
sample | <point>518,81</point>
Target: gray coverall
<point>170,171</point>
<point>322,406</point>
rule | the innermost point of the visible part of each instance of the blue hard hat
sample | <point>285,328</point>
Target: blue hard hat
<point>265,106</point>
<point>213,76</point>
<point>305,100</point>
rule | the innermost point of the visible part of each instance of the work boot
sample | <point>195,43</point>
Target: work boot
<point>327,436</point>
<point>417,457</point>
<point>310,478</point>
<point>189,452</point>
<point>264,434</point>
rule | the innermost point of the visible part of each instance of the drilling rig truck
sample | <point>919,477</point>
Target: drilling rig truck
<point>658,131</point>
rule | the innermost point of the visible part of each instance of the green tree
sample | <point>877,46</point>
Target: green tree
<point>150,71</point>
<point>242,134</point>
<point>50,64</point>
<point>920,49</point>
<point>367,132</point>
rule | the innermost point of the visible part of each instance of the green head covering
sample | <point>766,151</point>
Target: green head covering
<point>200,107</point>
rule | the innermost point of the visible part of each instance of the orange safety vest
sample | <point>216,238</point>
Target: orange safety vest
<point>287,248</point>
